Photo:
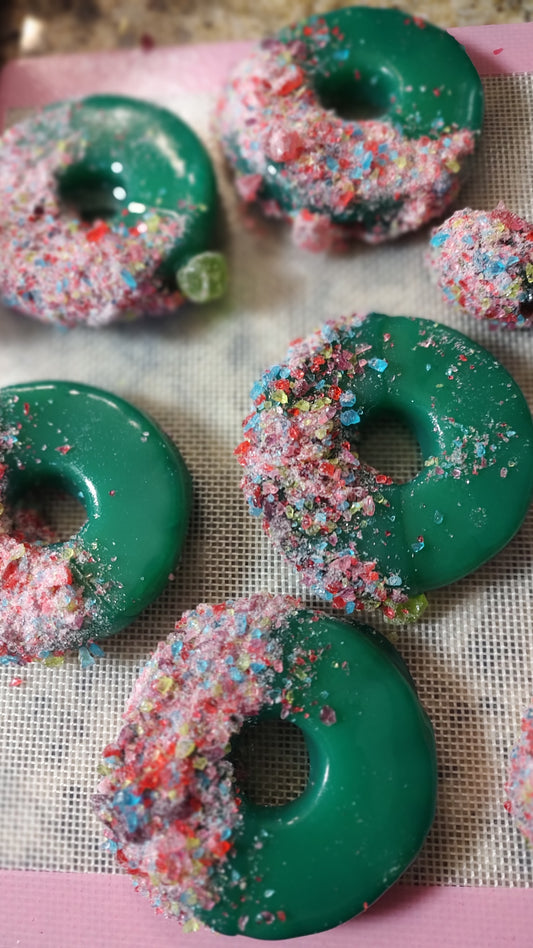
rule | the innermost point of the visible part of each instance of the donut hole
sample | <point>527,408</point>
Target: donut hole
<point>90,192</point>
<point>271,762</point>
<point>48,514</point>
<point>388,444</point>
<point>367,97</point>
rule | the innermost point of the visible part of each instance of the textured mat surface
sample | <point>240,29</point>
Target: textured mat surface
<point>471,656</point>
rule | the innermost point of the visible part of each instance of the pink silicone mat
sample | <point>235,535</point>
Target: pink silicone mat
<point>471,656</point>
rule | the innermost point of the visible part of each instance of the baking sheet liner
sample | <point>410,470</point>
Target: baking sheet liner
<point>471,655</point>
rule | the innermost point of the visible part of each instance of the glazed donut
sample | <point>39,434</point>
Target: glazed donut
<point>103,201</point>
<point>483,262</point>
<point>136,491</point>
<point>520,782</point>
<point>202,850</point>
<point>370,178</point>
<point>359,540</point>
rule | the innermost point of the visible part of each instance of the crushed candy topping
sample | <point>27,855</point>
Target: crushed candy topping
<point>483,263</point>
<point>304,476</point>
<point>333,178</point>
<point>167,797</point>
<point>44,609</point>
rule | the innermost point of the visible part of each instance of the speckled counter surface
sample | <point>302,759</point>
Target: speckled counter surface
<point>50,26</point>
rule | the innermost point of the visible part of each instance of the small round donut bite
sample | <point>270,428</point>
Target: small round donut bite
<point>520,778</point>
<point>108,213</point>
<point>483,263</point>
<point>136,490</point>
<point>357,123</point>
<point>358,539</point>
<point>196,844</point>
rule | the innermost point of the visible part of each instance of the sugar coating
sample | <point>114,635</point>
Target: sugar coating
<point>167,797</point>
<point>43,609</point>
<point>483,263</point>
<point>339,178</point>
<point>520,781</point>
<point>54,266</point>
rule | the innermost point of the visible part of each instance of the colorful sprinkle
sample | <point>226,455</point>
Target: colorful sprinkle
<point>328,715</point>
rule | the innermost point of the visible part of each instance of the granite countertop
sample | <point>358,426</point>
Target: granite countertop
<point>32,27</point>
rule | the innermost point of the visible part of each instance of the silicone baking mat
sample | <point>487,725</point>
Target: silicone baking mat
<point>472,653</point>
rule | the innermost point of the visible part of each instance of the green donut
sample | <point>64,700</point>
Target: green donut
<point>356,537</point>
<point>195,844</point>
<point>135,489</point>
<point>413,103</point>
<point>109,210</point>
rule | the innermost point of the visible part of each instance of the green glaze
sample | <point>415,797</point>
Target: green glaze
<point>400,61</point>
<point>465,411</point>
<point>126,472</point>
<point>370,798</point>
<point>153,158</point>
